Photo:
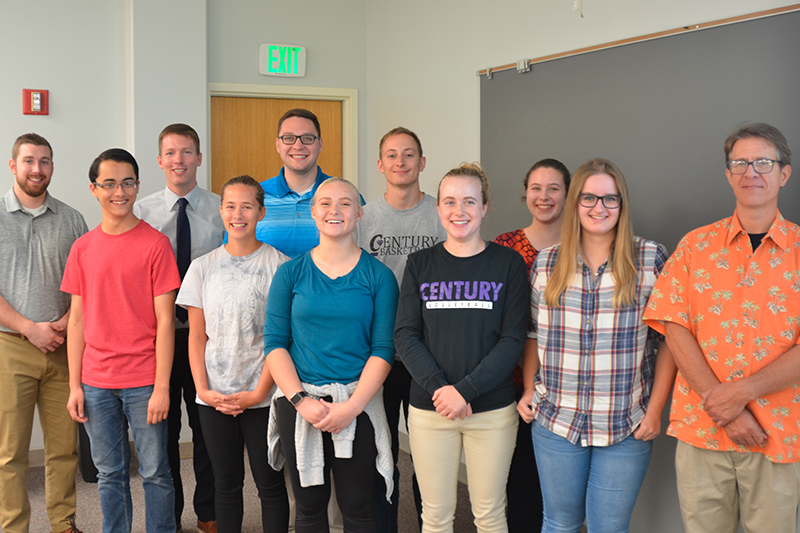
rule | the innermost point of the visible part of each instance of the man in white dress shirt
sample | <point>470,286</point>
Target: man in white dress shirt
<point>190,217</point>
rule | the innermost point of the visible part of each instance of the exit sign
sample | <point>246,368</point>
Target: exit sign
<point>282,60</point>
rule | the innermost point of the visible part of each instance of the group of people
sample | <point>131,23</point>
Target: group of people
<point>301,324</point>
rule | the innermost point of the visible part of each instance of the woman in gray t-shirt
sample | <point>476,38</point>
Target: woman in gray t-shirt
<point>225,292</point>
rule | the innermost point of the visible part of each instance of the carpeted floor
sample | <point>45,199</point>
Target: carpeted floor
<point>89,517</point>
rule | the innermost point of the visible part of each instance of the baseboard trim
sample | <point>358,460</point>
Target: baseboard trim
<point>36,457</point>
<point>186,450</point>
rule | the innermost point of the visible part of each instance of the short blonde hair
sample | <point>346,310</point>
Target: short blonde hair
<point>356,194</point>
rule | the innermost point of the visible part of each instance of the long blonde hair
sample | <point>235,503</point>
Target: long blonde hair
<point>623,258</point>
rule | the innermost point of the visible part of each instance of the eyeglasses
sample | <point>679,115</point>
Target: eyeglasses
<point>291,139</point>
<point>112,185</point>
<point>762,166</point>
<point>610,201</point>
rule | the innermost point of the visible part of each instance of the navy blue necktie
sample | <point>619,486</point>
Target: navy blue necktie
<point>184,257</point>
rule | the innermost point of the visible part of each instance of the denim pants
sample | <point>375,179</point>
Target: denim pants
<point>596,483</point>
<point>109,412</point>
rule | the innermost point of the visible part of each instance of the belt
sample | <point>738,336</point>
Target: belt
<point>17,335</point>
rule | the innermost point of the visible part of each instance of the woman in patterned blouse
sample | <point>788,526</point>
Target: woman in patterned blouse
<point>546,185</point>
<point>595,389</point>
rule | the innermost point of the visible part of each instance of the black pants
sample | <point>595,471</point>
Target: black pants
<point>396,390</point>
<point>226,437</point>
<point>525,510</point>
<point>181,386</point>
<point>355,478</point>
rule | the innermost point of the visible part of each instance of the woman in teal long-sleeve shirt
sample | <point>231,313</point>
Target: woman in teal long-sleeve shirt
<point>328,336</point>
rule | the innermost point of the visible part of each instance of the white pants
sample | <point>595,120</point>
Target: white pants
<point>488,440</point>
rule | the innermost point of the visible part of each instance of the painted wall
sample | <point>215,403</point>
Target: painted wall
<point>334,34</point>
<point>166,60</point>
<point>117,72</point>
<point>77,54</point>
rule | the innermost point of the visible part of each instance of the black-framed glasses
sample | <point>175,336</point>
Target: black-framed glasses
<point>112,185</point>
<point>304,139</point>
<point>762,166</point>
<point>610,201</point>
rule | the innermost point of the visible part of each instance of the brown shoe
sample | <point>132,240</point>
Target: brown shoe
<point>72,528</point>
<point>207,527</point>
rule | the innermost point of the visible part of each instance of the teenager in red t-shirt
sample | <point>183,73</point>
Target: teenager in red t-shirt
<point>122,276</point>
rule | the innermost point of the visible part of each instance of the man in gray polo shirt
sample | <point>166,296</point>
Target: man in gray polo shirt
<point>36,234</point>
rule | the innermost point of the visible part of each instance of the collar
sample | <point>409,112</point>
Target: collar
<point>778,231</point>
<point>12,202</point>
<point>171,199</point>
<point>283,188</point>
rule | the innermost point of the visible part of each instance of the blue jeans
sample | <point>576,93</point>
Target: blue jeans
<point>109,412</point>
<point>596,483</point>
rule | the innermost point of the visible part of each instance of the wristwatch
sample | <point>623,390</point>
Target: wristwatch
<point>297,398</point>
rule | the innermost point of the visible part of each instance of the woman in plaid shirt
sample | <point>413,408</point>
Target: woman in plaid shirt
<point>591,378</point>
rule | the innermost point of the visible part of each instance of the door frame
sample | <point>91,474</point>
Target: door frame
<point>348,98</point>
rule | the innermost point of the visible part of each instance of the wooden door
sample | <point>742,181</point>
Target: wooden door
<point>243,132</point>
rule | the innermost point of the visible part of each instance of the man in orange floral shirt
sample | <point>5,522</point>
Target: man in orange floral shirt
<point>728,301</point>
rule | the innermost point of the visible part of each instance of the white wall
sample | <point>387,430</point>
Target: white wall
<point>51,45</point>
<point>117,72</point>
<point>167,65</point>
<point>75,53</point>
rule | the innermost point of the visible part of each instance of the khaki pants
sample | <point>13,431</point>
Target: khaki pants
<point>29,378</point>
<point>488,440</point>
<point>716,488</point>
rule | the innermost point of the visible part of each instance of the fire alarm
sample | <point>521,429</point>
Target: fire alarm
<point>35,102</point>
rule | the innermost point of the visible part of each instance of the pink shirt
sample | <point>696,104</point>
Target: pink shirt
<point>117,278</point>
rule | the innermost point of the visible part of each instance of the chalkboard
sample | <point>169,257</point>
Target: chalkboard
<point>660,109</point>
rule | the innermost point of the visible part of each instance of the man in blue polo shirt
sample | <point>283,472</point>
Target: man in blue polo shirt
<point>288,226</point>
